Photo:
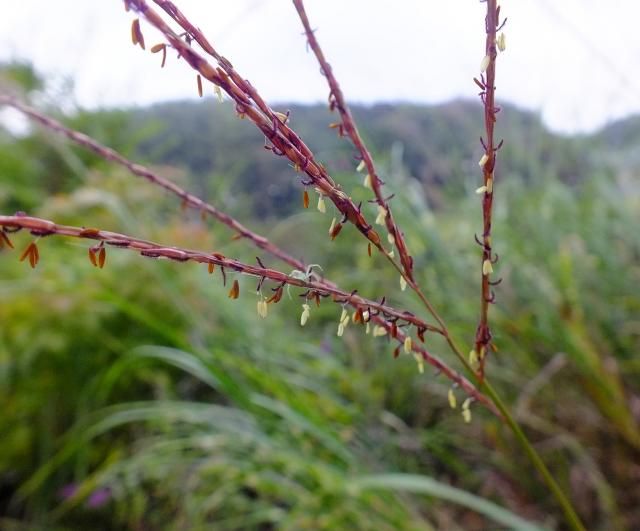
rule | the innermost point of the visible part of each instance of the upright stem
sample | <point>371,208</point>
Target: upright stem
<point>349,128</point>
<point>483,332</point>
<point>572,518</point>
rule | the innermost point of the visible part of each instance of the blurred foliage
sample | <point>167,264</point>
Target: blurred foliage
<point>22,76</point>
<point>141,397</point>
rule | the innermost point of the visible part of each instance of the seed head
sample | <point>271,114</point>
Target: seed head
<point>4,240</point>
<point>136,34</point>
<point>31,252</point>
<point>102,256</point>
<point>335,229</point>
<point>199,82</point>
<point>234,292</point>
<point>332,226</point>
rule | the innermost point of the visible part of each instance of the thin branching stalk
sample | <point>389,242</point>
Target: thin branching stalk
<point>350,128</point>
<point>368,310</point>
<point>483,340</point>
<point>285,142</point>
<point>387,316</point>
<point>187,199</point>
<point>203,207</point>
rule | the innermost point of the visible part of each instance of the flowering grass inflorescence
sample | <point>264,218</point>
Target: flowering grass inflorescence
<point>376,317</point>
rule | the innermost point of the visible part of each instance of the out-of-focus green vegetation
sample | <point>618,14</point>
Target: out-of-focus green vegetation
<point>139,396</point>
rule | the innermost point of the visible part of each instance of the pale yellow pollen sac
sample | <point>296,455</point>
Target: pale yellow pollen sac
<point>484,64</point>
<point>391,239</point>
<point>489,186</point>
<point>281,116</point>
<point>452,399</point>
<point>218,93</point>
<point>481,190</point>
<point>367,182</point>
<point>419,361</point>
<point>382,215</point>
<point>306,309</point>
<point>403,283</point>
<point>262,308</point>
<point>473,358</point>
<point>487,268</point>
<point>408,345</point>
<point>466,412</point>
<point>483,160</point>
<point>365,316</point>
<point>361,166</point>
<point>321,206</point>
<point>379,331</point>
<point>367,329</point>
<point>344,321</point>
<point>501,41</point>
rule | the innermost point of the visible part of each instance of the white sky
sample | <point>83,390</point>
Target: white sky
<point>577,62</point>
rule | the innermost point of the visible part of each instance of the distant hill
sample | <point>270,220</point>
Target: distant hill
<point>439,146</point>
<point>224,157</point>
